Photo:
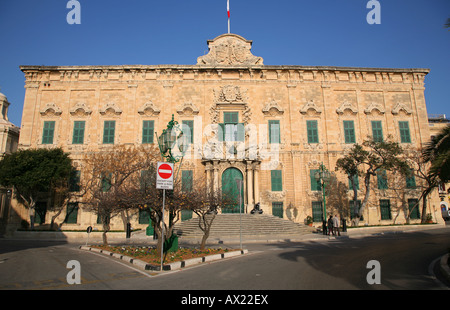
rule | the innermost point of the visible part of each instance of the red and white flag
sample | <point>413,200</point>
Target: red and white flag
<point>228,11</point>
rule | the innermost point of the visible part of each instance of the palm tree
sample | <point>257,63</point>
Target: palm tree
<point>437,153</point>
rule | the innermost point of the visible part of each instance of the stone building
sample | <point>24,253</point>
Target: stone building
<point>271,126</point>
<point>9,140</point>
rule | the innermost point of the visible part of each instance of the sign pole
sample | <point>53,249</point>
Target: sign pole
<point>162,228</point>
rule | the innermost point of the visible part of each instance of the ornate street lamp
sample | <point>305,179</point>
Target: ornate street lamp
<point>167,140</point>
<point>323,175</point>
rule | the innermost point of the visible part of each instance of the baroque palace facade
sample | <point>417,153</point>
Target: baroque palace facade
<point>271,126</point>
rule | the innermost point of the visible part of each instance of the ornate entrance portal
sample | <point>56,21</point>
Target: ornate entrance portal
<point>230,187</point>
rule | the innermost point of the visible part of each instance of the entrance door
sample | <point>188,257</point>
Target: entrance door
<point>229,187</point>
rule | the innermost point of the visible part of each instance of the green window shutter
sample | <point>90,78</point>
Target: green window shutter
<point>315,184</point>
<point>186,215</point>
<point>186,180</point>
<point>317,211</point>
<point>405,136</point>
<point>385,209</point>
<point>74,181</point>
<point>377,131</point>
<point>108,132</point>
<point>382,179</point>
<point>188,131</point>
<point>414,214</point>
<point>71,213</point>
<point>106,182</point>
<point>354,210</point>
<point>231,117</point>
<point>313,135</point>
<point>78,132</point>
<point>274,131</point>
<point>351,180</point>
<point>411,180</point>
<point>349,132</point>
<point>144,217</point>
<point>221,132</point>
<point>240,132</point>
<point>276,180</point>
<point>48,132</point>
<point>147,132</point>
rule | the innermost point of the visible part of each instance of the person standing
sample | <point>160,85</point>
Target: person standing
<point>330,225</point>
<point>336,226</point>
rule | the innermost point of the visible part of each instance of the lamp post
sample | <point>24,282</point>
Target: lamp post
<point>323,176</point>
<point>166,144</point>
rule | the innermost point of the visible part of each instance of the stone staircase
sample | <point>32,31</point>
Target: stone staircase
<point>254,226</point>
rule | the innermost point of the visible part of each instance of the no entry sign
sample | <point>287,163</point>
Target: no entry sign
<point>164,176</point>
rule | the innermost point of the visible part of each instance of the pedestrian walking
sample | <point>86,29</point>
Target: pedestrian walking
<point>336,226</point>
<point>330,225</point>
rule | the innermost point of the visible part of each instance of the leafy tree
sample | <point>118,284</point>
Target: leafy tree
<point>437,152</point>
<point>34,171</point>
<point>368,159</point>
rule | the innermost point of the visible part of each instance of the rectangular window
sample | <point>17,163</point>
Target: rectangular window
<point>413,207</point>
<point>349,132</point>
<point>186,180</point>
<point>78,132</point>
<point>108,132</point>
<point>276,179</point>
<point>231,129</point>
<point>377,131</point>
<point>317,211</point>
<point>71,213</point>
<point>405,136</point>
<point>188,131</point>
<point>382,179</point>
<point>106,182</point>
<point>147,132</point>
<point>48,132</point>
<point>274,131</point>
<point>354,209</point>
<point>352,180</point>
<point>74,181</point>
<point>313,134</point>
<point>411,180</point>
<point>315,184</point>
<point>385,209</point>
<point>144,217</point>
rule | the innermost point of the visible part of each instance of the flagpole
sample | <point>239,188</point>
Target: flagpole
<point>228,12</point>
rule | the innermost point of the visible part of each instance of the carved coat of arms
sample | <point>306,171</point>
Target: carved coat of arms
<point>229,50</point>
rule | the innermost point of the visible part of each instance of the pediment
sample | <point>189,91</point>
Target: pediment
<point>310,105</point>
<point>399,107</point>
<point>346,106</point>
<point>80,109</point>
<point>229,50</point>
<point>51,109</point>
<point>149,108</point>
<point>110,108</point>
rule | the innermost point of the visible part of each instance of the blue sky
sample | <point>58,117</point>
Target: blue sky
<point>284,32</point>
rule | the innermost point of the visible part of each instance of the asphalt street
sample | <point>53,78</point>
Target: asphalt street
<point>406,261</point>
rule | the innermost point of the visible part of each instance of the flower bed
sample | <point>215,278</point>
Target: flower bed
<point>148,254</point>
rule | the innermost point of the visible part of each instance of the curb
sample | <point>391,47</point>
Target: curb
<point>445,269</point>
<point>167,267</point>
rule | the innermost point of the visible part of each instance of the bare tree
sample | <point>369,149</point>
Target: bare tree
<point>109,175</point>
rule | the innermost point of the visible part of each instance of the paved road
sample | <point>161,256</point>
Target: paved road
<point>405,260</point>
